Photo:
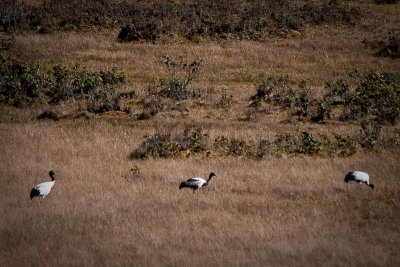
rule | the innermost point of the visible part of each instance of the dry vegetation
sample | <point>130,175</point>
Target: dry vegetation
<point>294,211</point>
<point>277,209</point>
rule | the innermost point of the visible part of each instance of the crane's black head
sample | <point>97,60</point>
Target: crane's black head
<point>211,175</point>
<point>372,186</point>
<point>348,177</point>
<point>52,175</point>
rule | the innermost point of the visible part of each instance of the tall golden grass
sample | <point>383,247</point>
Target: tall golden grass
<point>295,211</point>
<point>318,55</point>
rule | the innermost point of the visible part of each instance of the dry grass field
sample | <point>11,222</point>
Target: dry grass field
<point>293,210</point>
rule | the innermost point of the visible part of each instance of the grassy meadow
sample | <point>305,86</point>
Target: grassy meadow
<point>108,209</point>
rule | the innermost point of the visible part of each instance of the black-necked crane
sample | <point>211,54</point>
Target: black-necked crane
<point>196,183</point>
<point>359,177</point>
<point>43,189</point>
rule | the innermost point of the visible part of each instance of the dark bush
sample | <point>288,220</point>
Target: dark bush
<point>149,20</point>
<point>391,48</point>
<point>157,146</point>
<point>164,146</point>
<point>346,146</point>
<point>395,139</point>
<point>369,134</point>
<point>331,11</point>
<point>377,95</point>
<point>275,91</point>
<point>285,143</point>
<point>21,83</point>
<point>336,93</point>
<point>49,114</point>
<point>113,77</point>
<point>309,145</point>
<point>6,41</point>
<point>304,100</point>
<point>193,140</point>
<point>234,146</point>
<point>73,84</point>
<point>380,2</point>
<point>147,31</point>
<point>323,110</point>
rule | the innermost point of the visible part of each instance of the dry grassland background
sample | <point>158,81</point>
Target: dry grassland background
<point>295,211</point>
<point>288,211</point>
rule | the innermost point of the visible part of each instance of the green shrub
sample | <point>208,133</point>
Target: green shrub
<point>285,143</point>
<point>395,139</point>
<point>323,110</point>
<point>165,146</point>
<point>194,140</point>
<point>309,145</point>
<point>234,146</point>
<point>157,146</point>
<point>21,83</point>
<point>275,91</point>
<point>150,20</point>
<point>346,146</point>
<point>369,134</point>
<point>377,95</point>
<point>331,11</point>
<point>304,100</point>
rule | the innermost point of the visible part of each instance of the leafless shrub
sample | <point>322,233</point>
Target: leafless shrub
<point>181,74</point>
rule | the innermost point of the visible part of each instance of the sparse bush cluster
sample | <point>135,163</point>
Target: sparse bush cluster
<point>181,74</point>
<point>331,11</point>
<point>170,91</point>
<point>195,142</point>
<point>377,95</point>
<point>372,95</point>
<point>226,100</point>
<point>22,83</point>
<point>274,91</point>
<point>190,141</point>
<point>150,20</point>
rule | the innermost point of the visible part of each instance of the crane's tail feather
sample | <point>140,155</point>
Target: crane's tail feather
<point>35,193</point>
<point>182,185</point>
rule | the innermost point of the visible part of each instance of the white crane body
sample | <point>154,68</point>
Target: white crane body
<point>196,183</point>
<point>43,189</point>
<point>359,177</point>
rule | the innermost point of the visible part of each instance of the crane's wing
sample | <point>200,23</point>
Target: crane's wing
<point>193,180</point>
